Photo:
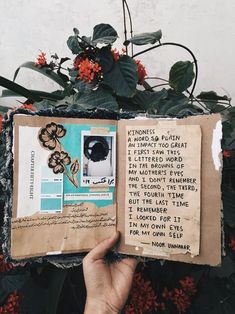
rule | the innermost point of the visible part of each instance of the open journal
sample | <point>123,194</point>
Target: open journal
<point>157,181</point>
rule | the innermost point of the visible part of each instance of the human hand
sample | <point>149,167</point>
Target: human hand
<point>107,284</point>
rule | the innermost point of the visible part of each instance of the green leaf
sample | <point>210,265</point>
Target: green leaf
<point>18,89</point>
<point>123,77</point>
<point>44,71</point>
<point>73,45</point>
<point>105,59</point>
<point>41,94</point>
<point>210,99</point>
<point>211,95</point>
<point>44,104</point>
<point>149,100</point>
<point>104,34</point>
<point>144,38</point>
<point>99,98</point>
<point>181,76</point>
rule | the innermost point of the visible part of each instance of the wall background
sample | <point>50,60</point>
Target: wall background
<point>206,27</point>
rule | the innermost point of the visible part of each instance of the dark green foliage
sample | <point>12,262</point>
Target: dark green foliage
<point>181,76</point>
<point>122,78</point>
<point>104,34</point>
<point>144,38</point>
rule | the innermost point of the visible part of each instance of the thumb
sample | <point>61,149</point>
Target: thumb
<point>103,247</point>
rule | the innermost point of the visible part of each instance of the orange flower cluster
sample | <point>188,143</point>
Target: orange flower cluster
<point>41,60</point>
<point>87,69</point>
<point>12,305</point>
<point>4,266</point>
<point>232,244</point>
<point>141,72</point>
<point>142,297</point>
<point>116,54</point>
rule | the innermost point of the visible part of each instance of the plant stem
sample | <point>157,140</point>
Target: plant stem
<point>131,26</point>
<point>178,45</point>
<point>124,23</point>
<point>160,85</point>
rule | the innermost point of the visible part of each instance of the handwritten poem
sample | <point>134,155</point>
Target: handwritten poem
<point>163,165</point>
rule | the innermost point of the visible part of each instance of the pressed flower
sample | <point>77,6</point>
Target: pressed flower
<point>41,60</point>
<point>49,135</point>
<point>58,160</point>
<point>141,72</point>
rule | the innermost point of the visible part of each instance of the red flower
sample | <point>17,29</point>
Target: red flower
<point>141,72</point>
<point>4,266</point>
<point>1,123</point>
<point>143,298</point>
<point>28,107</point>
<point>228,153</point>
<point>232,244</point>
<point>181,300</point>
<point>41,60</point>
<point>87,69</point>
<point>116,54</point>
<point>166,294</point>
<point>12,305</point>
<point>77,62</point>
<point>188,285</point>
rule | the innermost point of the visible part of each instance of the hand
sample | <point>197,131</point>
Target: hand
<point>107,284</point>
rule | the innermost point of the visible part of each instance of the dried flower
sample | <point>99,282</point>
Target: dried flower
<point>142,297</point>
<point>1,123</point>
<point>116,54</point>
<point>228,153</point>
<point>188,285</point>
<point>232,244</point>
<point>12,305</point>
<point>166,294</point>
<point>49,135</point>
<point>4,266</point>
<point>141,72</point>
<point>181,300</point>
<point>58,160</point>
<point>41,60</point>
